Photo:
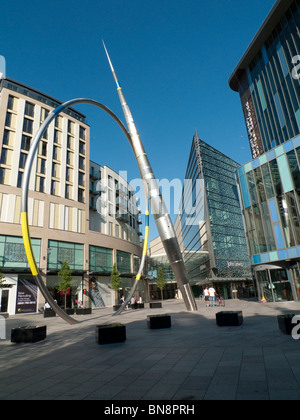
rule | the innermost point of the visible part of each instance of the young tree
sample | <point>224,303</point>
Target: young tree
<point>161,281</point>
<point>66,280</point>
<point>115,280</point>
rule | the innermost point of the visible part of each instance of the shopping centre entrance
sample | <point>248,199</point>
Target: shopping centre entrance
<point>276,285</point>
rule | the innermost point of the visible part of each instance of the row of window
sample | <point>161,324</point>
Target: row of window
<point>9,141</point>
<point>275,92</point>
<point>12,255</point>
<point>271,202</point>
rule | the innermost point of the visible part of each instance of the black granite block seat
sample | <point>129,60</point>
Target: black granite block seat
<point>110,333</point>
<point>28,334</point>
<point>229,318</point>
<point>159,321</point>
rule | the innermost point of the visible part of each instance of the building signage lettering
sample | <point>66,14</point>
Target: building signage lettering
<point>251,131</point>
<point>296,69</point>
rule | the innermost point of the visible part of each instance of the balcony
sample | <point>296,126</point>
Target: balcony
<point>122,217</point>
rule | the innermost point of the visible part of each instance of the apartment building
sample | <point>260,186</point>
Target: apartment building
<point>69,206</point>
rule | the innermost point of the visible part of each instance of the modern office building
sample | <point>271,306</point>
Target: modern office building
<point>268,81</point>
<point>209,226</point>
<point>78,210</point>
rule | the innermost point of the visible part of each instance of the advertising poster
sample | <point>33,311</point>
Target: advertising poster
<point>26,296</point>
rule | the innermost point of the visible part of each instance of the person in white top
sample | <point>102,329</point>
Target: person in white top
<point>212,296</point>
<point>206,296</point>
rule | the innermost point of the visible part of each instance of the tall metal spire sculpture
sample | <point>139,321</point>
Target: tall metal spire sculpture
<point>161,216</point>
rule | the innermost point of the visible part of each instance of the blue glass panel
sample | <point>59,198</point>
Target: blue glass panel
<point>255,163</point>
<point>256,259</point>
<point>288,146</point>
<point>282,60</point>
<point>292,252</point>
<point>261,95</point>
<point>297,115</point>
<point>265,258</point>
<point>241,171</point>
<point>279,150</point>
<point>279,110</point>
<point>296,141</point>
<point>285,174</point>
<point>271,155</point>
<point>282,254</point>
<point>245,191</point>
<point>273,211</point>
<point>248,167</point>
<point>273,256</point>
<point>263,159</point>
<point>279,238</point>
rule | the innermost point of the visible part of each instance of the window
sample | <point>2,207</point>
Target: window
<point>81,163</point>
<point>20,178</point>
<point>81,179</point>
<point>13,251</point>
<point>81,147</point>
<point>70,142</point>
<point>43,148</point>
<point>69,251</point>
<point>23,157</point>
<point>55,153</point>
<point>123,262</point>
<point>11,103</point>
<point>40,184</point>
<point>8,119</point>
<point>70,127</point>
<point>28,126</point>
<point>68,191</point>
<point>80,195</point>
<point>2,175</point>
<point>29,109</point>
<point>3,156</point>
<point>100,259</point>
<point>82,133</point>
<point>53,187</point>
<point>6,137</point>
<point>25,143</point>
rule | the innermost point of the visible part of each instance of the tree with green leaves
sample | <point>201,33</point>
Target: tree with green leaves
<point>115,280</point>
<point>66,280</point>
<point>161,281</point>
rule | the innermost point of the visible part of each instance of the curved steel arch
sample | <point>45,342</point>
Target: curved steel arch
<point>24,205</point>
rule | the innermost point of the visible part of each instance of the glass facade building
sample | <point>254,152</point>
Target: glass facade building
<point>210,225</point>
<point>268,81</point>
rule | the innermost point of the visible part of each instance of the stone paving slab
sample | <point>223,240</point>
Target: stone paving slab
<point>193,360</point>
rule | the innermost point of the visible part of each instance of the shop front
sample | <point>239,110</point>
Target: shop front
<point>278,283</point>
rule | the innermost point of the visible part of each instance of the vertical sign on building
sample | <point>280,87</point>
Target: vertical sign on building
<point>26,296</point>
<point>254,136</point>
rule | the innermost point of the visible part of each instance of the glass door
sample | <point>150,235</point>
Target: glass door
<point>282,288</point>
<point>4,300</point>
<point>265,288</point>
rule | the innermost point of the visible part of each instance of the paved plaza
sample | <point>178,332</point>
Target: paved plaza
<point>193,360</point>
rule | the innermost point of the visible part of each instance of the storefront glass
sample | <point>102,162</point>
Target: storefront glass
<point>274,285</point>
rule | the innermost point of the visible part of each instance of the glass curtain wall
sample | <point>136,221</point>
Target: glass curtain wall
<point>273,83</point>
<point>270,191</point>
<point>213,237</point>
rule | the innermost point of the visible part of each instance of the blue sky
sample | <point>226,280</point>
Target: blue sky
<point>173,59</point>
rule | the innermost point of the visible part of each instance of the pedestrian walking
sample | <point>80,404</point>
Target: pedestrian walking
<point>212,296</point>
<point>206,296</point>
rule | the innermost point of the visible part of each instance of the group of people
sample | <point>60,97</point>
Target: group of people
<point>133,301</point>
<point>209,296</point>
